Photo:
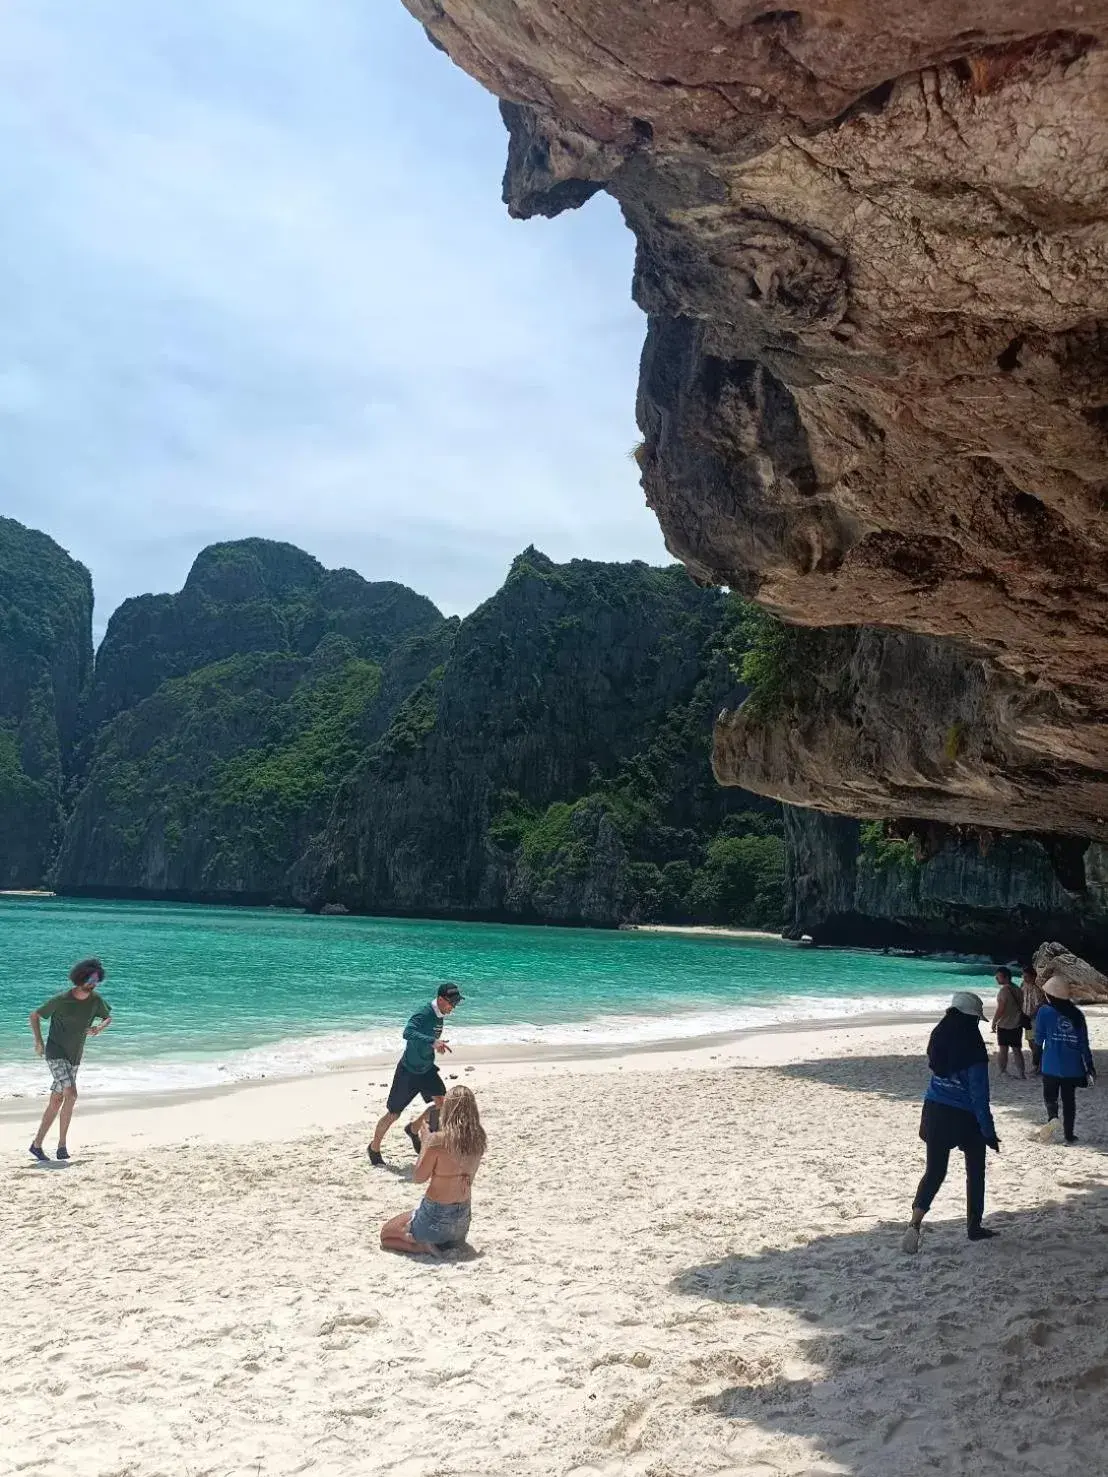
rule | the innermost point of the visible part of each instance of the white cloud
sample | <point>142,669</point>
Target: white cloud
<point>256,278</point>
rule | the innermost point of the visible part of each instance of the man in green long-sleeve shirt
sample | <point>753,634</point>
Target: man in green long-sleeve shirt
<point>416,1074</point>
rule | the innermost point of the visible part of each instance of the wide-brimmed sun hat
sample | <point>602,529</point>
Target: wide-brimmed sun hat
<point>1059,988</point>
<point>968,1003</point>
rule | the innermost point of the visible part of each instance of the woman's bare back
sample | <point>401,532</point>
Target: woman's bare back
<point>450,1178</point>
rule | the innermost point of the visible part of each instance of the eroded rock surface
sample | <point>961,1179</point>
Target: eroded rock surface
<point>872,245</point>
<point>983,894</point>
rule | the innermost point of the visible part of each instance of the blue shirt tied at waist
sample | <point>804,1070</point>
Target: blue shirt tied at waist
<point>421,1033</point>
<point>1065,1043</point>
<point>968,1090</point>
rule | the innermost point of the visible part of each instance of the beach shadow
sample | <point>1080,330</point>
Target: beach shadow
<point>398,1171</point>
<point>970,1358</point>
<point>463,1253</point>
<point>905,1078</point>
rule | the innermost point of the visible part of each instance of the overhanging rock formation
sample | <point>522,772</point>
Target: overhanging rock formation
<point>873,247</point>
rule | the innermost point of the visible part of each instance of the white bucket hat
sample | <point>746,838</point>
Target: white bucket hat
<point>968,1003</point>
<point>1058,988</point>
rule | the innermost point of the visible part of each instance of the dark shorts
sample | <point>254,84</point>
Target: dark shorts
<point>947,1127</point>
<point>407,1086</point>
<point>1009,1036</point>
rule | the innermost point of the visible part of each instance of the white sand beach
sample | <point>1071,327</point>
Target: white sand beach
<point>688,1263</point>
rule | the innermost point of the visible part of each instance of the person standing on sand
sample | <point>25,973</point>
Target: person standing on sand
<point>1007,1022</point>
<point>956,1115</point>
<point>447,1163</point>
<point>71,1019</point>
<point>1032,997</point>
<point>416,1074</point>
<point>1067,1057</point>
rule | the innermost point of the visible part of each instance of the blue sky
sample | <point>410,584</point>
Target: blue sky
<point>256,278</point>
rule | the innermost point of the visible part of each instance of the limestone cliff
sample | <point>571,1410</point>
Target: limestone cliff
<point>221,720</point>
<point>847,885</point>
<point>873,247</point>
<point>555,766</point>
<point>45,658</point>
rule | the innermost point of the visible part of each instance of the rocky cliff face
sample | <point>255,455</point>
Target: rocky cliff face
<point>847,885</point>
<point>873,247</point>
<point>45,659</point>
<point>221,721</point>
<point>251,595</point>
<point>554,766</point>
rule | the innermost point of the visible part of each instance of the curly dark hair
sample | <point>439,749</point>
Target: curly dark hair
<point>82,974</point>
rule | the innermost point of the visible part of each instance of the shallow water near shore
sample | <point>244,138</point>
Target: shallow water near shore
<point>205,995</point>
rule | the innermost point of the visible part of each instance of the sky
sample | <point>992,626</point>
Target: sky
<point>256,279</point>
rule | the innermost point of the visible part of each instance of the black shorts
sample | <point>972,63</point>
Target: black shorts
<point>947,1127</point>
<point>407,1086</point>
<point>1009,1036</point>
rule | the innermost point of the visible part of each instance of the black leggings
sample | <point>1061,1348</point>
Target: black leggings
<point>939,1146</point>
<point>1052,1086</point>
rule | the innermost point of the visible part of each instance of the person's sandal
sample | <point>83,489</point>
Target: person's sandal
<point>63,1152</point>
<point>414,1137</point>
<point>376,1158</point>
<point>39,1154</point>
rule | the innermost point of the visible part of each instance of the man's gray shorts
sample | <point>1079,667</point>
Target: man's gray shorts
<point>63,1074</point>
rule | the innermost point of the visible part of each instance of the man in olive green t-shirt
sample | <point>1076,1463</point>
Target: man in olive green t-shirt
<point>71,1017</point>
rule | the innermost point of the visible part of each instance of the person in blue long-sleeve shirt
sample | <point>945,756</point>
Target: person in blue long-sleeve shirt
<point>956,1114</point>
<point>1063,1036</point>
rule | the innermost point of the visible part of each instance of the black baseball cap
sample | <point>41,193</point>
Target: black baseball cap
<point>451,993</point>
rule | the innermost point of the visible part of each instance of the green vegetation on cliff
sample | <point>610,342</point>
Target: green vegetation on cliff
<point>230,714</point>
<point>45,657</point>
<point>277,732</point>
<point>213,786</point>
<point>558,765</point>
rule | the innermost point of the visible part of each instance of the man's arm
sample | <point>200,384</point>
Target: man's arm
<point>36,1028</point>
<point>103,1026</point>
<point>414,1030</point>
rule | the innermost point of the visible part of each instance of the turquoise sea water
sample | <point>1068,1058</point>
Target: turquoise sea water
<point>207,995</point>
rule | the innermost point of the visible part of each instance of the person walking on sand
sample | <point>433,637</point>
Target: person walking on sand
<point>956,1115</point>
<point>447,1163</point>
<point>1067,1057</point>
<point>1007,1022</point>
<point>416,1074</point>
<point>71,1017</point>
<point>1032,997</point>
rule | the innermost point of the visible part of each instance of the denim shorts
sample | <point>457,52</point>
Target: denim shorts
<point>440,1225</point>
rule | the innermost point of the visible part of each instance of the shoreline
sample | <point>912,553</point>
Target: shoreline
<point>501,1062</point>
<point>681,1261</point>
<point>707,930</point>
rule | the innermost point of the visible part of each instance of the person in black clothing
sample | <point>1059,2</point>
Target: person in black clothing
<point>956,1114</point>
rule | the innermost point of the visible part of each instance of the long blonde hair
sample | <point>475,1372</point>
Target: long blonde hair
<point>460,1128</point>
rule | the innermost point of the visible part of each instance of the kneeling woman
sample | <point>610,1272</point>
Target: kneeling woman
<point>447,1164</point>
<point>956,1114</point>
